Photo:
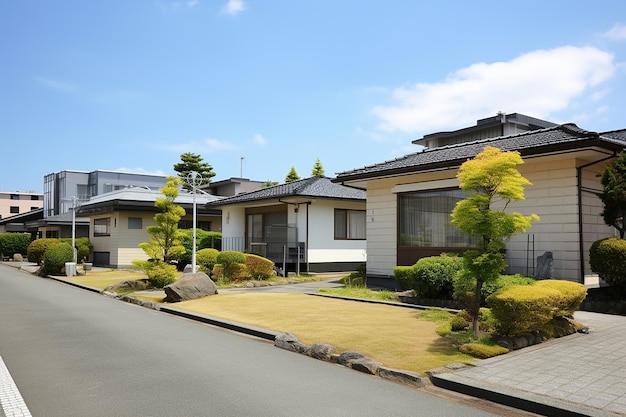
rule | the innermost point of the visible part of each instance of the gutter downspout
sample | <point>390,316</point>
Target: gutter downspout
<point>579,184</point>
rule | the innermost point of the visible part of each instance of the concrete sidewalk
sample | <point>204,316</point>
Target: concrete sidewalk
<point>578,375</point>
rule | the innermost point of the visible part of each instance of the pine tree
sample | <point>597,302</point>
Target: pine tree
<point>292,175</point>
<point>193,162</point>
<point>318,168</point>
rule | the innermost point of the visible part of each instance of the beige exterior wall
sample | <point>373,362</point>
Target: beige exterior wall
<point>123,242</point>
<point>23,201</point>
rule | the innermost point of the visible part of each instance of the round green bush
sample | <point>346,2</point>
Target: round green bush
<point>522,309</point>
<point>206,259</point>
<point>83,247</point>
<point>161,274</point>
<point>211,240</point>
<point>572,295</point>
<point>459,322</point>
<point>12,243</point>
<point>434,276</point>
<point>607,258</point>
<point>404,276</point>
<point>228,259</point>
<point>55,257</point>
<point>259,267</point>
<point>37,248</point>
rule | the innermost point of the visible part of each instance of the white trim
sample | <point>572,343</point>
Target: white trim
<point>426,185</point>
<point>11,401</point>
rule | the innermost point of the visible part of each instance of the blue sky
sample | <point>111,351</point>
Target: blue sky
<point>131,85</point>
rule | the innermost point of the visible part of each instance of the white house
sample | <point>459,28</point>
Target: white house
<point>309,225</point>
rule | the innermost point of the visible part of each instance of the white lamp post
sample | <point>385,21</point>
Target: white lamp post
<point>194,179</point>
<point>75,205</point>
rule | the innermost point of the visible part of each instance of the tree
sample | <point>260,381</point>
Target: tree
<point>269,183</point>
<point>193,162</point>
<point>493,178</point>
<point>165,238</point>
<point>614,194</point>
<point>318,168</point>
<point>292,175</point>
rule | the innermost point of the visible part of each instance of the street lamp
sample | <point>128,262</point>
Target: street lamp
<point>75,204</point>
<point>194,179</point>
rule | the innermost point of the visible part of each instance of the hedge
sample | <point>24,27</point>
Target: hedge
<point>37,249</point>
<point>572,295</point>
<point>229,259</point>
<point>83,247</point>
<point>12,243</point>
<point>206,259</point>
<point>523,309</point>
<point>430,277</point>
<point>55,258</point>
<point>259,267</point>
<point>211,240</point>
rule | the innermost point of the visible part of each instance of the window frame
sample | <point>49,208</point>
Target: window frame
<point>132,223</point>
<point>344,231</point>
<point>99,223</point>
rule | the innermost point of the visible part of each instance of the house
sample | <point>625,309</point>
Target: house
<point>409,199</point>
<point>118,221</point>
<point>231,186</point>
<point>311,225</point>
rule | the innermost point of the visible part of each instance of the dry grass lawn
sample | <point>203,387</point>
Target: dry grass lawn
<point>394,336</point>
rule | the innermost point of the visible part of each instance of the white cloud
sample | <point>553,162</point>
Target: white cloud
<point>616,33</point>
<point>259,139</point>
<point>177,5</point>
<point>234,7</point>
<point>537,83</point>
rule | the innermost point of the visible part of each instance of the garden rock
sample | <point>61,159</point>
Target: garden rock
<point>320,351</point>
<point>365,365</point>
<point>18,257</point>
<point>405,377</point>
<point>190,287</point>
<point>347,356</point>
<point>545,266</point>
<point>289,342</point>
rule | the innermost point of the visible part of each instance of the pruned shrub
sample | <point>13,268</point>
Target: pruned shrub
<point>434,276</point>
<point>459,322</point>
<point>211,240</point>
<point>37,248</point>
<point>522,309</point>
<point>404,276</point>
<point>504,281</point>
<point>83,247</point>
<point>228,259</point>
<point>55,257</point>
<point>161,274</point>
<point>259,267</point>
<point>186,239</point>
<point>465,285</point>
<point>483,351</point>
<point>206,259</point>
<point>572,295</point>
<point>238,273</point>
<point>12,243</point>
<point>607,258</point>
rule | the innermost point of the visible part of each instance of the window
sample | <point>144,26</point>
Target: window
<point>15,196</point>
<point>35,208</point>
<point>34,197</point>
<point>349,224</point>
<point>424,220</point>
<point>135,223</point>
<point>14,209</point>
<point>102,227</point>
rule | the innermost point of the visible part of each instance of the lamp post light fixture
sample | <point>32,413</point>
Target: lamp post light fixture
<point>194,179</point>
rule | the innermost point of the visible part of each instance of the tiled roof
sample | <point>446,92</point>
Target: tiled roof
<point>314,187</point>
<point>567,136</point>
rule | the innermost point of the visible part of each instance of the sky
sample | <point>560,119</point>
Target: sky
<point>256,87</point>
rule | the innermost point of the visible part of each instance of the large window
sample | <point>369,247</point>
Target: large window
<point>14,209</point>
<point>102,227</point>
<point>135,223</point>
<point>349,224</point>
<point>424,220</point>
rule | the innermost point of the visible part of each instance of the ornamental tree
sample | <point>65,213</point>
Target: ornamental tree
<point>292,175</point>
<point>491,178</point>
<point>318,168</point>
<point>614,193</point>
<point>193,162</point>
<point>165,244</point>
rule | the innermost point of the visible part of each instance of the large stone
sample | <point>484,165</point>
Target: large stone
<point>18,257</point>
<point>290,342</point>
<point>404,377</point>
<point>190,287</point>
<point>320,351</point>
<point>545,266</point>
<point>365,365</point>
<point>347,356</point>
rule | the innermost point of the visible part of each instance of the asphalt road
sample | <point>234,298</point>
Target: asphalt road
<point>77,353</point>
